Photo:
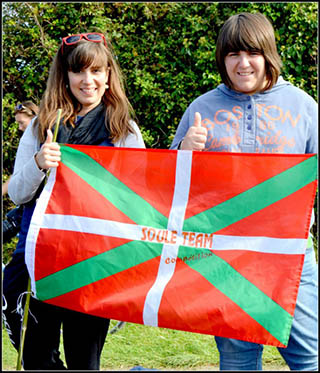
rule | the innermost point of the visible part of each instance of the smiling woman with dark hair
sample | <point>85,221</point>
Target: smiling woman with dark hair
<point>256,111</point>
<point>252,33</point>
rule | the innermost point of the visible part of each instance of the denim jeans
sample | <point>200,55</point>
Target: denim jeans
<point>302,350</point>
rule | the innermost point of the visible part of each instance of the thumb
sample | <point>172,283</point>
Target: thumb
<point>49,136</point>
<point>197,119</point>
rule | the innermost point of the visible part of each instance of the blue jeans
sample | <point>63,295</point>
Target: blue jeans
<point>302,350</point>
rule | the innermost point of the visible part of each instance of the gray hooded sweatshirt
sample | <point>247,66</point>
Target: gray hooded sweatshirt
<point>283,119</point>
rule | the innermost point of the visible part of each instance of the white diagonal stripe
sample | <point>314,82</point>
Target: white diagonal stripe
<point>175,222</point>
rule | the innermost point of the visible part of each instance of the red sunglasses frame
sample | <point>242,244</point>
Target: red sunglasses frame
<point>84,36</point>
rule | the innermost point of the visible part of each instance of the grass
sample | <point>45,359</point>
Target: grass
<point>157,348</point>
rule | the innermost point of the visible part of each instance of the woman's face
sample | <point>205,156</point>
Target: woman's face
<point>246,70</point>
<point>88,86</point>
<point>23,120</point>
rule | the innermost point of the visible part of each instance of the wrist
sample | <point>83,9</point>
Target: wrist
<point>35,159</point>
<point>180,144</point>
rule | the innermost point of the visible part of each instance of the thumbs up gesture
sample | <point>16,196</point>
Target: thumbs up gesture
<point>49,154</point>
<point>196,136</point>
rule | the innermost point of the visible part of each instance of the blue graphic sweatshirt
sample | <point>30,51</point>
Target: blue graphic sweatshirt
<point>283,119</point>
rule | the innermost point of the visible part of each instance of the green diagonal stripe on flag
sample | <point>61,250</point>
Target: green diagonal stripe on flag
<point>254,199</point>
<point>214,269</point>
<point>94,269</point>
<point>112,188</point>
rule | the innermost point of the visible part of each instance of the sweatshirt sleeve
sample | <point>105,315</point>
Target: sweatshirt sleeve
<point>133,140</point>
<point>26,176</point>
<point>312,135</point>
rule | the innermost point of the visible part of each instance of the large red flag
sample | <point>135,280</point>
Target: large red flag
<point>198,241</point>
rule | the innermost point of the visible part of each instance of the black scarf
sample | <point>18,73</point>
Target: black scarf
<point>89,130</point>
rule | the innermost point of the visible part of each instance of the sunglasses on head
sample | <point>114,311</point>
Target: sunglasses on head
<point>95,37</point>
<point>20,107</point>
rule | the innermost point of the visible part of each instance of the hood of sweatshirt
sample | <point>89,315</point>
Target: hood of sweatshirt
<point>281,83</point>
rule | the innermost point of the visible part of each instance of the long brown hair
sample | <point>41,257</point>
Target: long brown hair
<point>57,95</point>
<point>248,32</point>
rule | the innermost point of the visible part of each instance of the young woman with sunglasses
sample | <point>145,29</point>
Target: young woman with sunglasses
<point>86,83</point>
<point>24,112</point>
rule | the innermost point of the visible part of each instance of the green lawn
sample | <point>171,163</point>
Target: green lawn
<point>157,348</point>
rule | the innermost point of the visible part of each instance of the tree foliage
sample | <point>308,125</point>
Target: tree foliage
<point>166,51</point>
